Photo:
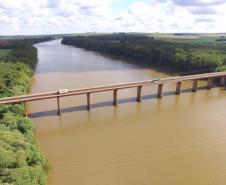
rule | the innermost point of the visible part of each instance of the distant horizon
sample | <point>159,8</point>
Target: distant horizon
<point>45,17</point>
<point>50,34</point>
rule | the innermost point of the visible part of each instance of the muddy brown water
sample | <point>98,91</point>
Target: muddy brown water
<point>176,140</point>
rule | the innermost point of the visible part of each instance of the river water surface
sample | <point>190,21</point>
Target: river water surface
<point>176,140</point>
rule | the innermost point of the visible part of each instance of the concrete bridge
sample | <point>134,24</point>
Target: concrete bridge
<point>88,91</point>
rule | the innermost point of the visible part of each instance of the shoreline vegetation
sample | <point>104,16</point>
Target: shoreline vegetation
<point>21,160</point>
<point>182,58</point>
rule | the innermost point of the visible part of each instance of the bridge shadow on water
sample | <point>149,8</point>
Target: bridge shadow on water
<point>81,108</point>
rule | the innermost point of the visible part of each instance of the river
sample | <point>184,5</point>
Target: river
<point>176,140</point>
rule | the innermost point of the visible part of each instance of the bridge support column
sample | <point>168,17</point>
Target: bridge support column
<point>159,95</point>
<point>139,94</point>
<point>115,97</point>
<point>210,83</point>
<point>58,105</point>
<point>178,88</point>
<point>222,82</point>
<point>195,85</point>
<point>25,109</point>
<point>88,101</point>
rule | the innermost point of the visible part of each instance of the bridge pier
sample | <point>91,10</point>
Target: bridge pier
<point>115,97</point>
<point>210,83</point>
<point>222,82</point>
<point>25,109</point>
<point>58,105</point>
<point>159,95</point>
<point>178,88</point>
<point>139,94</point>
<point>195,85</point>
<point>88,101</point>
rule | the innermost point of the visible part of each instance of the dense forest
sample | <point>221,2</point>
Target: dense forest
<point>144,50</point>
<point>21,161</point>
<point>12,43</point>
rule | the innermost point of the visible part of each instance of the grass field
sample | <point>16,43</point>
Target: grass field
<point>187,37</point>
<point>4,52</point>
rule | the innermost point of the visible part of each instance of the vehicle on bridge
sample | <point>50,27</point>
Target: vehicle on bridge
<point>156,79</point>
<point>63,91</point>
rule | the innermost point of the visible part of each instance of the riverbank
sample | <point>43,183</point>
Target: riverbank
<point>185,58</point>
<point>21,160</point>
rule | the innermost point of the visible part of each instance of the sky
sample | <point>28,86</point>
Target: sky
<point>26,17</point>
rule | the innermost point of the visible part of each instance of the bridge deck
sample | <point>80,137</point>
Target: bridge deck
<point>139,84</point>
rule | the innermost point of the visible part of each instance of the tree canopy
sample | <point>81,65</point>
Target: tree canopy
<point>21,161</point>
